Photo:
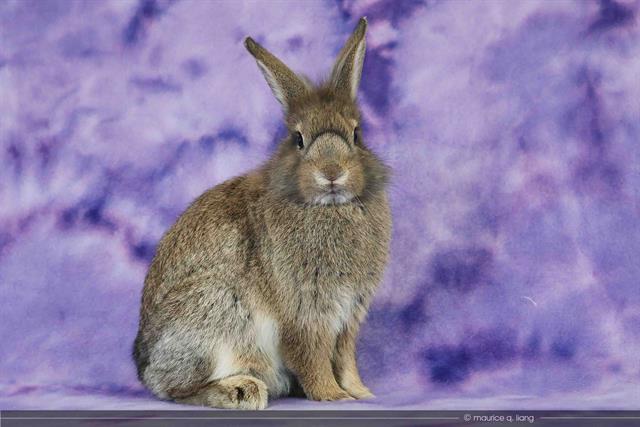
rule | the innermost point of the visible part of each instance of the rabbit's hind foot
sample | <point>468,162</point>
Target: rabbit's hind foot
<point>234,392</point>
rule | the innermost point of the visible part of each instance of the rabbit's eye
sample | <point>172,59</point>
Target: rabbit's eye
<point>356,135</point>
<point>297,138</point>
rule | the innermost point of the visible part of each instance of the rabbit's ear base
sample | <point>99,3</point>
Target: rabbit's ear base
<point>284,83</point>
<point>347,71</point>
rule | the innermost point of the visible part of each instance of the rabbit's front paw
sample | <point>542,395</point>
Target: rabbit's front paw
<point>359,391</point>
<point>350,381</point>
<point>329,393</point>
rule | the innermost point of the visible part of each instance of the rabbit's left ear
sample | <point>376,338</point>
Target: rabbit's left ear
<point>284,83</point>
<point>347,70</point>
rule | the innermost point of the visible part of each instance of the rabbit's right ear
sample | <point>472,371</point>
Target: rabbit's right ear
<point>284,83</point>
<point>347,70</point>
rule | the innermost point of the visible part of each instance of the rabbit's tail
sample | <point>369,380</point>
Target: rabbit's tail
<point>140,355</point>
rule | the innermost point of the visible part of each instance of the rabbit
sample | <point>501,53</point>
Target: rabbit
<point>259,289</point>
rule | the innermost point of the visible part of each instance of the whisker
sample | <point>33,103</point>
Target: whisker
<point>362,205</point>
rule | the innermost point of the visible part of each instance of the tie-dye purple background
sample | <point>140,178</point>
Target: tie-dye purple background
<point>513,128</point>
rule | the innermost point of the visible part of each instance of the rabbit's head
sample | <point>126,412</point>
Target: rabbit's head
<point>324,159</point>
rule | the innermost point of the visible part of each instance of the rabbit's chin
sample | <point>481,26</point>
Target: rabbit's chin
<point>338,198</point>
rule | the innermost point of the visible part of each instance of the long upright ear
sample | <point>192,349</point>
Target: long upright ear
<point>284,83</point>
<point>347,70</point>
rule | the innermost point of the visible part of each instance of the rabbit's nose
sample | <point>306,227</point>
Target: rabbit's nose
<point>331,176</point>
<point>332,172</point>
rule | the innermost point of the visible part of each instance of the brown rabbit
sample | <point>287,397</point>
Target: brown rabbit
<point>259,288</point>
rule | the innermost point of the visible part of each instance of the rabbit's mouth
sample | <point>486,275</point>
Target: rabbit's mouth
<point>334,197</point>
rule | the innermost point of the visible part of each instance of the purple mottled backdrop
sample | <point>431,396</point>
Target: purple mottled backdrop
<point>513,128</point>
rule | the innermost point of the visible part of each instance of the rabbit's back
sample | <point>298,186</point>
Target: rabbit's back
<point>214,235</point>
